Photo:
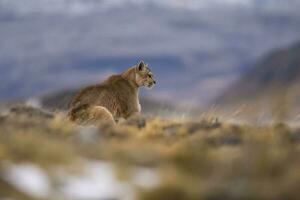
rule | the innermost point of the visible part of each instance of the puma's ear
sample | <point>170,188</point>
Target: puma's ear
<point>141,66</point>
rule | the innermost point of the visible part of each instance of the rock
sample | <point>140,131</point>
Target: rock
<point>193,127</point>
<point>172,129</point>
<point>30,111</point>
<point>139,122</point>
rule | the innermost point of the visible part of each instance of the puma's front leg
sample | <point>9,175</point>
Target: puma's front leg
<point>135,113</point>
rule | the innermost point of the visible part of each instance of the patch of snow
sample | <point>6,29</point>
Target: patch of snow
<point>30,179</point>
<point>98,181</point>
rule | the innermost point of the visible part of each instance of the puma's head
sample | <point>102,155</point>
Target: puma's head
<point>143,75</point>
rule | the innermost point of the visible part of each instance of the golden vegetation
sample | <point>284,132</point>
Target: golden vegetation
<point>195,159</point>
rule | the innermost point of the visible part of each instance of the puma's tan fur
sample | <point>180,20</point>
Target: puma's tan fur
<point>115,98</point>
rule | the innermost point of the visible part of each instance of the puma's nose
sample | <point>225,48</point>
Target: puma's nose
<point>154,82</point>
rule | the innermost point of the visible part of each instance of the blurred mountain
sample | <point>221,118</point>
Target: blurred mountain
<point>273,82</point>
<point>196,48</point>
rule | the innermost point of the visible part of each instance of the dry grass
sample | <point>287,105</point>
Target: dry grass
<point>199,159</point>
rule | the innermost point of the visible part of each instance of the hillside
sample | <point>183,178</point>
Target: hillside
<point>275,79</point>
<point>44,156</point>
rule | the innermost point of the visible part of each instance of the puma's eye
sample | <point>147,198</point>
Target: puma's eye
<point>149,75</point>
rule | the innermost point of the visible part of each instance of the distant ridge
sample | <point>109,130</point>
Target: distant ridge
<point>275,79</point>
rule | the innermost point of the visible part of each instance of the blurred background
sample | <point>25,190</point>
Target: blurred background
<point>203,52</point>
